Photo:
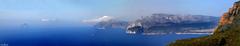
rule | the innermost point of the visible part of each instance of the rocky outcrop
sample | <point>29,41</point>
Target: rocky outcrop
<point>168,23</point>
<point>135,27</point>
<point>226,34</point>
<point>232,17</point>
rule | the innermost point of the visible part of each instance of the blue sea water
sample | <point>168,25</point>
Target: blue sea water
<point>82,36</point>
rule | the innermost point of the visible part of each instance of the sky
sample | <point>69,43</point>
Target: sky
<point>77,10</point>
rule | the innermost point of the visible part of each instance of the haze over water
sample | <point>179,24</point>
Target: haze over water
<point>70,22</point>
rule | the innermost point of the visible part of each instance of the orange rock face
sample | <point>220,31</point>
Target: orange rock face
<point>229,16</point>
<point>224,20</point>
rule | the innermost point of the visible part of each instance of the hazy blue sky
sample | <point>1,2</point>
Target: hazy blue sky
<point>76,10</point>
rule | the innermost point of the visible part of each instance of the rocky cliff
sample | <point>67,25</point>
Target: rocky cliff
<point>226,34</point>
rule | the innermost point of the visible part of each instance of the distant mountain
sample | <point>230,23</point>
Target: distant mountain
<point>113,23</point>
<point>99,19</point>
<point>169,23</point>
<point>226,34</point>
<point>163,23</point>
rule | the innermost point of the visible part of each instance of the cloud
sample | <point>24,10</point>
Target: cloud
<point>103,18</point>
<point>47,20</point>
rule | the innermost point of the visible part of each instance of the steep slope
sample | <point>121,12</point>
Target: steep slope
<point>226,34</point>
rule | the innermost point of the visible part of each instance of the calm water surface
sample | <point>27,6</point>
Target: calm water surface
<point>81,36</point>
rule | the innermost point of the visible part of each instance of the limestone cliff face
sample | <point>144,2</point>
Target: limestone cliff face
<point>230,19</point>
<point>226,34</point>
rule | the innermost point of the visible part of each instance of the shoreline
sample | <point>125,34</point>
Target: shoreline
<point>194,33</point>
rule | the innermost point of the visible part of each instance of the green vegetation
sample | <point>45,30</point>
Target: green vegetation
<point>226,34</point>
<point>229,37</point>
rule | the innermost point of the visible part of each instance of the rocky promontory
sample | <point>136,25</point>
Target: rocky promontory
<point>226,34</point>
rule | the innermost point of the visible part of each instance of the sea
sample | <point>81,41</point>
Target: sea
<point>79,35</point>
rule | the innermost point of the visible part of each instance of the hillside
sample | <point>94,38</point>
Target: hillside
<point>226,34</point>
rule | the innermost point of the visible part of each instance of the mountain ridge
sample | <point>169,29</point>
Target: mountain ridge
<point>169,23</point>
<point>163,23</point>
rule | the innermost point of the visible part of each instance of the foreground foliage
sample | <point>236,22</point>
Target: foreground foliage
<point>226,34</point>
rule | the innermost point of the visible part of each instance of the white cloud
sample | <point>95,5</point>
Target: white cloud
<point>47,20</point>
<point>103,18</point>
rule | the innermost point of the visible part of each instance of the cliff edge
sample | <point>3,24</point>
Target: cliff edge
<point>226,34</point>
